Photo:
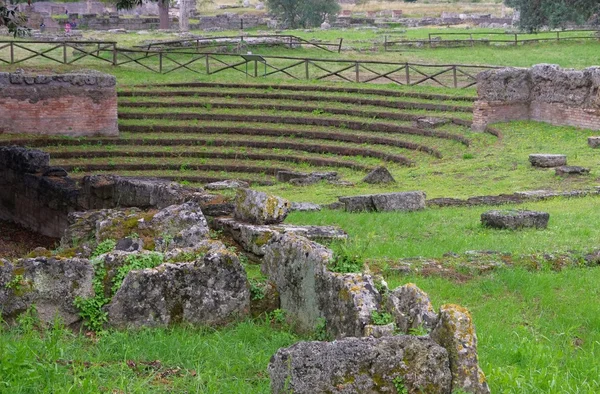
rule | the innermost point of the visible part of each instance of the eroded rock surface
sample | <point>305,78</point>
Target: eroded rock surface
<point>209,291</point>
<point>378,176</point>
<point>547,160</point>
<point>256,207</point>
<point>515,219</point>
<point>411,308</point>
<point>48,283</point>
<point>402,201</point>
<point>456,333</point>
<point>361,365</point>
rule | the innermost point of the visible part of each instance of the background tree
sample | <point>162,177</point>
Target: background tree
<point>303,13</point>
<point>163,9</point>
<point>553,13</point>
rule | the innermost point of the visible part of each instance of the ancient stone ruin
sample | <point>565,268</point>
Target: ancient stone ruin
<point>515,219</point>
<point>79,104</point>
<point>545,93</point>
<point>140,251</point>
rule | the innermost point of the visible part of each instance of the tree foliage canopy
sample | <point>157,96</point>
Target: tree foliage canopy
<point>553,13</point>
<point>303,13</point>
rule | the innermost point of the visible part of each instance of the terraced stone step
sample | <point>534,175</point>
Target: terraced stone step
<point>356,112</point>
<point>172,142</point>
<point>316,88</point>
<point>345,137</point>
<point>173,167</point>
<point>298,97</point>
<point>376,127</point>
<point>315,161</point>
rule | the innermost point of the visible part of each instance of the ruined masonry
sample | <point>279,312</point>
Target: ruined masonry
<point>78,104</point>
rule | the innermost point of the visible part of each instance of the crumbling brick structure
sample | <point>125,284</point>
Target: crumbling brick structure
<point>81,104</point>
<point>545,92</point>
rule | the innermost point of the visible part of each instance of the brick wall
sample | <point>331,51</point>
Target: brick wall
<point>544,93</point>
<point>82,104</point>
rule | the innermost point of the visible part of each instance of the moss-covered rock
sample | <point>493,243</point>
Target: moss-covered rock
<point>256,207</point>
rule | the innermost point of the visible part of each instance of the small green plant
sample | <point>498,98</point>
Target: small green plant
<point>15,282</point>
<point>381,318</point>
<point>398,383</point>
<point>418,331</point>
<point>277,317</point>
<point>347,258</point>
<point>184,167</point>
<point>76,170</point>
<point>257,289</point>
<point>468,156</point>
<point>318,111</point>
<point>320,333</point>
<point>208,106</point>
<point>108,245</point>
<point>214,234</point>
<point>136,262</point>
<point>28,320</point>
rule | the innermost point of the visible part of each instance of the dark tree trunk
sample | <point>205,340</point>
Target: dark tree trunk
<point>163,14</point>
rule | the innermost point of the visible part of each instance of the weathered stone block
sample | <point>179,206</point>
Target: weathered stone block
<point>260,208</point>
<point>547,160</point>
<point>430,122</point>
<point>378,176</point>
<point>305,207</point>
<point>594,142</point>
<point>456,333</point>
<point>515,219</point>
<point>48,283</point>
<point>361,365</point>
<point>209,291</point>
<point>571,170</point>
<point>227,184</point>
<point>403,201</point>
<point>411,308</point>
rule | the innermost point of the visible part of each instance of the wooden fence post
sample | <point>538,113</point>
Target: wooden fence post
<point>114,53</point>
<point>357,70</point>
<point>160,61</point>
<point>64,52</point>
<point>516,39</point>
<point>455,76</point>
<point>340,47</point>
<point>12,53</point>
<point>407,74</point>
<point>207,66</point>
<point>385,43</point>
<point>306,69</point>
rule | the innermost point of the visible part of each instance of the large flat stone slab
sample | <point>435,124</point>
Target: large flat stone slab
<point>362,365</point>
<point>402,201</point>
<point>515,219</point>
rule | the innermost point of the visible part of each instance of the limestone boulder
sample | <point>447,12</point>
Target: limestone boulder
<point>594,141</point>
<point>309,291</point>
<point>553,84</point>
<point>209,291</point>
<point>256,207</point>
<point>226,184</point>
<point>378,176</point>
<point>505,84</point>
<point>411,308</point>
<point>456,333</point>
<point>515,219</point>
<point>48,283</point>
<point>179,226</point>
<point>305,207</point>
<point>361,365</point>
<point>571,170</point>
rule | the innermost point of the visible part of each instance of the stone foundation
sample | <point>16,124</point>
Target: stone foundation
<point>82,104</point>
<point>544,93</point>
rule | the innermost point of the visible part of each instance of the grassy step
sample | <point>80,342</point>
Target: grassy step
<point>377,127</point>
<point>172,142</point>
<point>77,173</point>
<point>355,111</point>
<point>318,88</point>
<point>175,167</point>
<point>299,97</point>
<point>341,137</point>
<point>314,161</point>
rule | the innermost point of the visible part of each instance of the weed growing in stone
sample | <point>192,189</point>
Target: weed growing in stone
<point>381,318</point>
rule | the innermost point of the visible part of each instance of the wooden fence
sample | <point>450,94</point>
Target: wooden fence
<point>164,62</point>
<point>436,39</point>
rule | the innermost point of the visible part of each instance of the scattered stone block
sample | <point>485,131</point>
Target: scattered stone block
<point>227,184</point>
<point>378,176</point>
<point>179,226</point>
<point>594,142</point>
<point>430,122</point>
<point>361,365</point>
<point>260,208</point>
<point>129,245</point>
<point>50,284</point>
<point>286,176</point>
<point>547,160</point>
<point>411,308</point>
<point>402,201</point>
<point>456,333</point>
<point>305,207</point>
<point>515,219</point>
<point>209,291</point>
<point>571,170</point>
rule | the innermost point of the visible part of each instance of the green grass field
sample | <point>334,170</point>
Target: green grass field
<point>537,324</point>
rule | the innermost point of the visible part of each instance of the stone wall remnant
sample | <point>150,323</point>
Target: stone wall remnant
<point>402,201</point>
<point>545,93</point>
<point>77,104</point>
<point>515,219</point>
<point>362,365</point>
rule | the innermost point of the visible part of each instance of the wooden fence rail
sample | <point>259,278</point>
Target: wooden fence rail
<point>165,62</point>
<point>435,39</point>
